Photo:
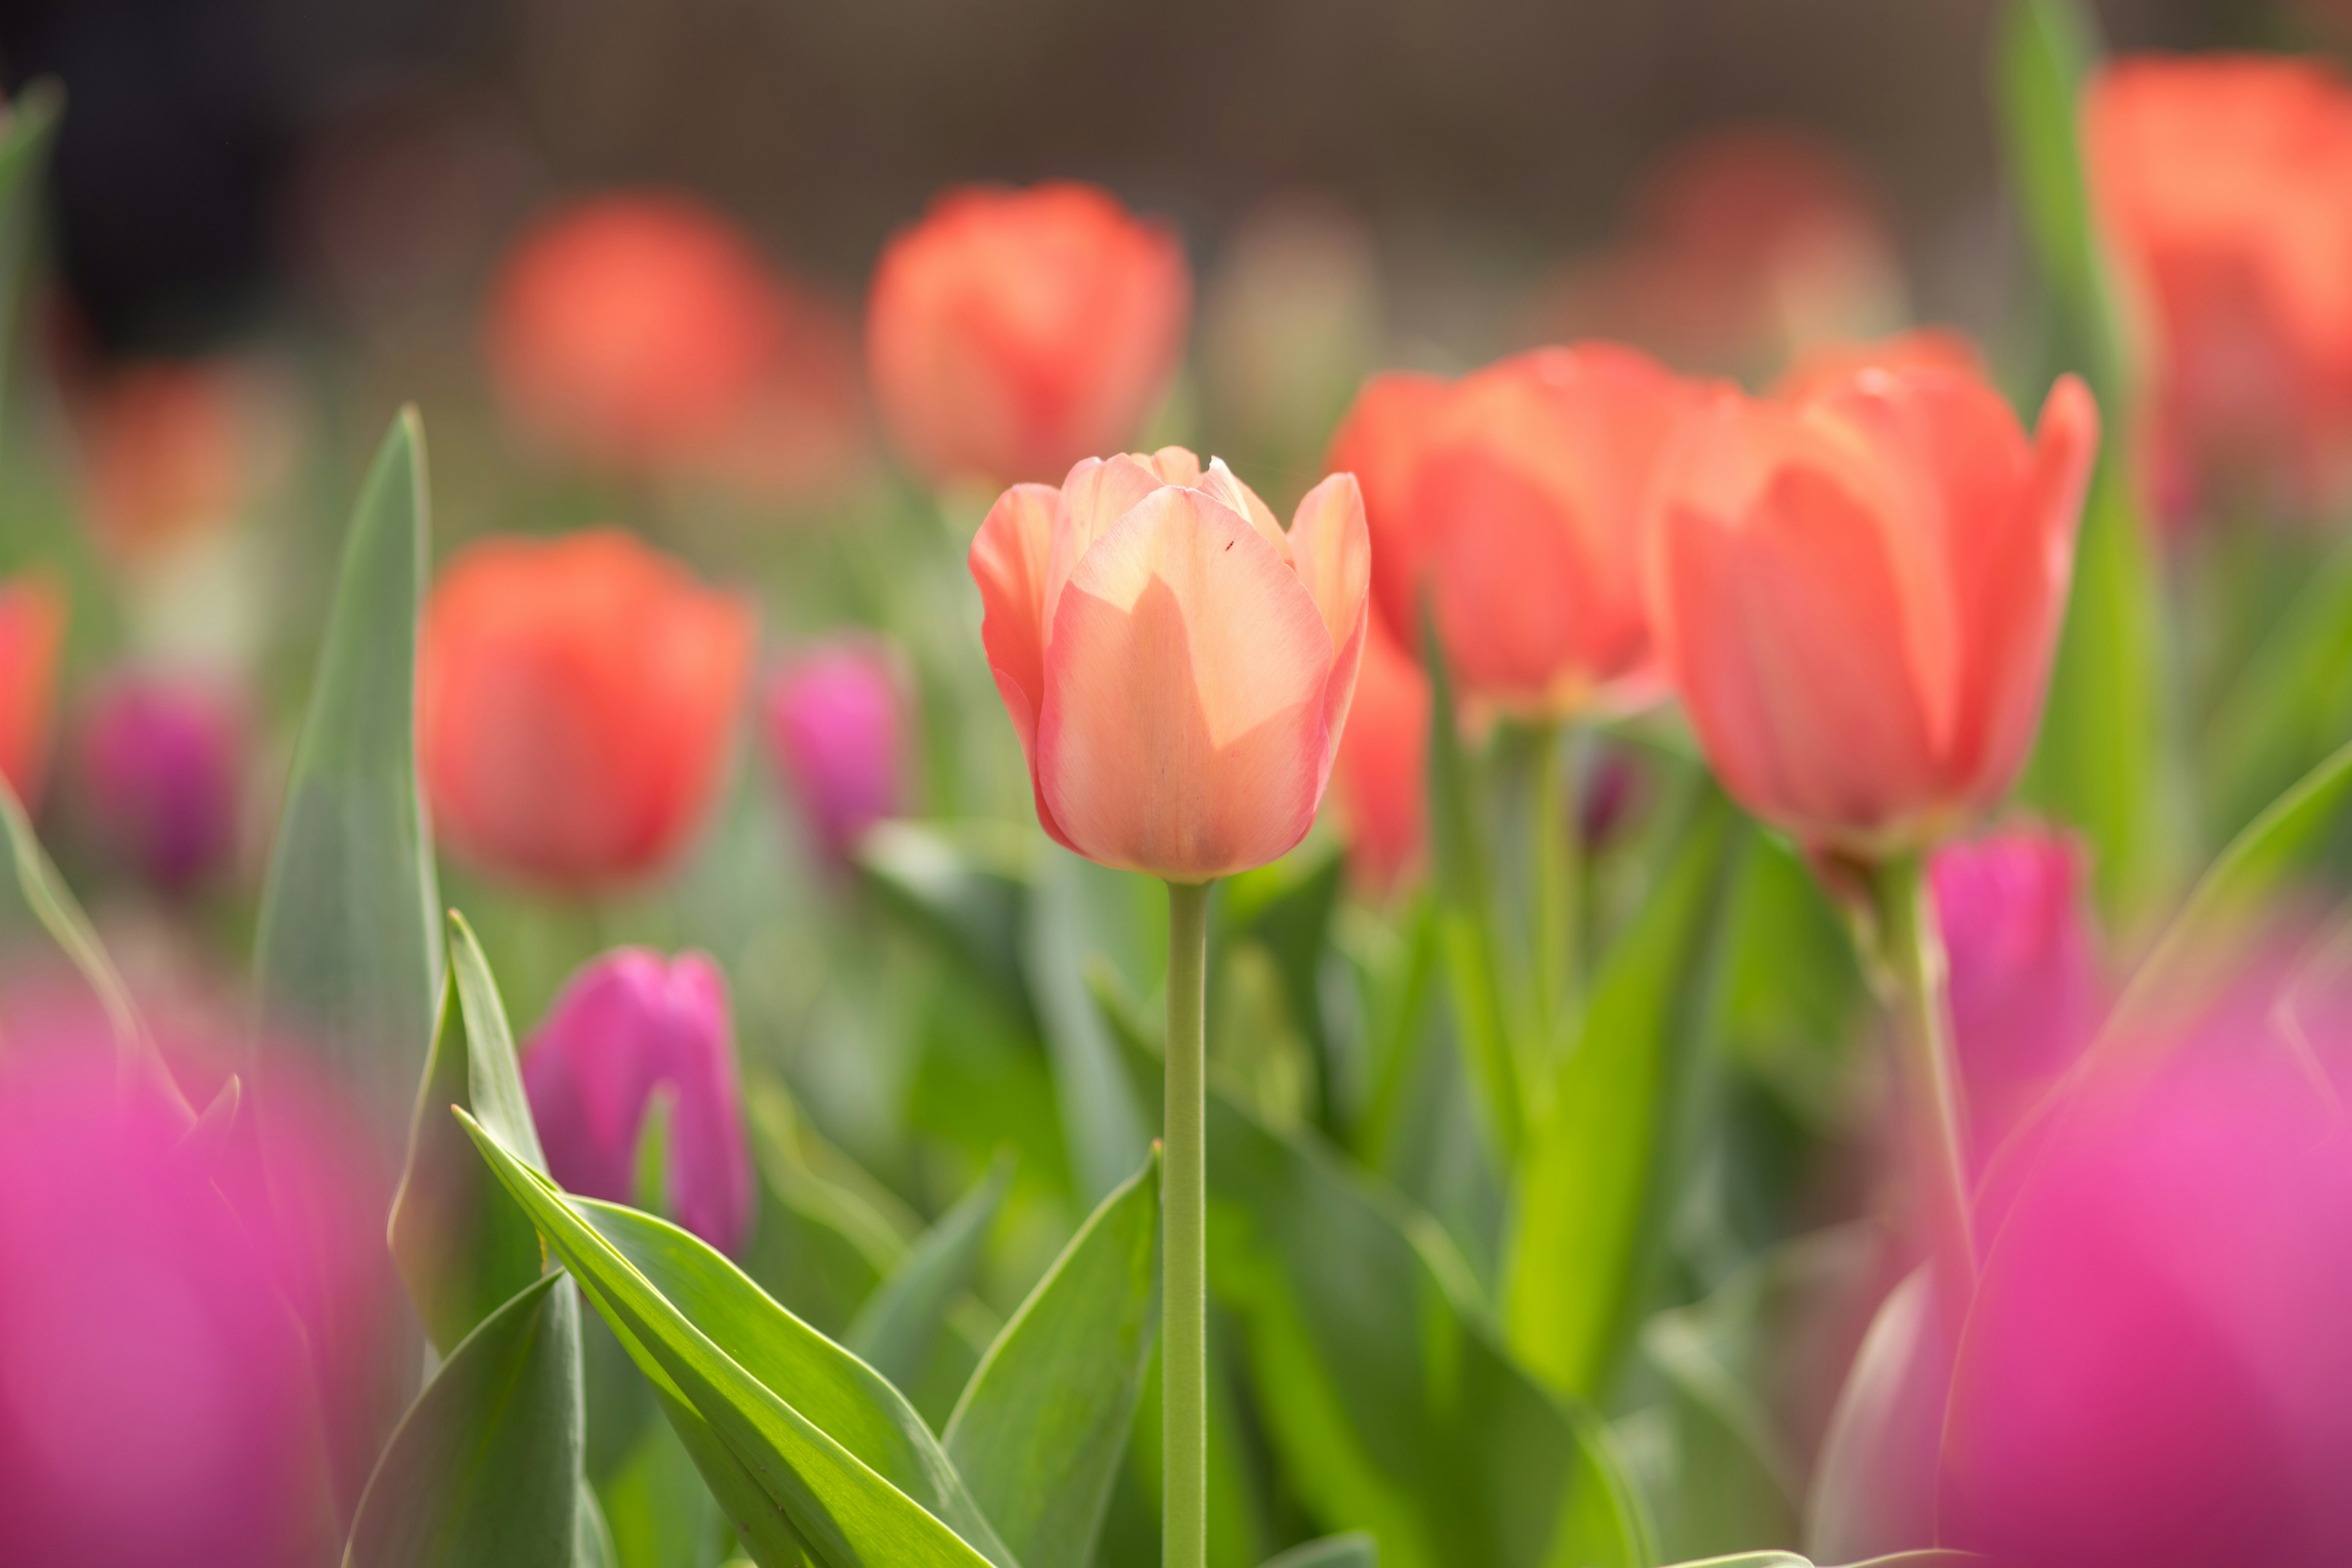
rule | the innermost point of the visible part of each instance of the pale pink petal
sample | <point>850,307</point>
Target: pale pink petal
<point>1008,561</point>
<point>1098,493</point>
<point>1176,465</point>
<point>1221,482</point>
<point>1332,552</point>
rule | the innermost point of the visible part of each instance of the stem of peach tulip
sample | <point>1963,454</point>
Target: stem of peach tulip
<point>1912,949</point>
<point>1185,1278</point>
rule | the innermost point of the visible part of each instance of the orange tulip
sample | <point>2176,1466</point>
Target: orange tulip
<point>167,451</point>
<point>32,632</point>
<point>1514,498</point>
<point>1383,769</point>
<point>576,699</point>
<point>1010,333</point>
<point>1858,594</point>
<point>1923,348</point>
<point>1178,666</point>
<point>2225,183</point>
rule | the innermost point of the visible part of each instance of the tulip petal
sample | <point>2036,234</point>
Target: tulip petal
<point>1379,442</point>
<point>1098,493</point>
<point>1333,551</point>
<point>1182,733</point>
<point>1008,560</point>
<point>1221,482</point>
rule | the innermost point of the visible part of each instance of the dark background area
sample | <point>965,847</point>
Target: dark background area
<point>226,163</point>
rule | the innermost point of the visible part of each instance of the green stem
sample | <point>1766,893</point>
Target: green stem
<point>1185,1281</point>
<point>1912,954</point>
<point>1559,872</point>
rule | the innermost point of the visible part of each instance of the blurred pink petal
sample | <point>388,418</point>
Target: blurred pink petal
<point>835,723</point>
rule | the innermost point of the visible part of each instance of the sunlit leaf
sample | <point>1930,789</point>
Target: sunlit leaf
<point>896,1331</point>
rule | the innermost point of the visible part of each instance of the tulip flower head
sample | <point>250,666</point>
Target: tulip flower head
<point>2224,184</point>
<point>1010,333</point>
<point>627,1025</point>
<point>32,633</point>
<point>834,725</point>
<point>160,761</point>
<point>168,452</point>
<point>1858,595</point>
<point>1178,668</point>
<point>1383,768</point>
<point>577,697</point>
<point>1513,500</point>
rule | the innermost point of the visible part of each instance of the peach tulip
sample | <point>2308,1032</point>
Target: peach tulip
<point>2225,183</point>
<point>577,695</point>
<point>1513,497</point>
<point>1858,594</point>
<point>32,632</point>
<point>1178,666</point>
<point>1010,333</point>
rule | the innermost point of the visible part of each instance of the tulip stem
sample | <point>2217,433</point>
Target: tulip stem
<point>1184,1280</point>
<point>1912,952</point>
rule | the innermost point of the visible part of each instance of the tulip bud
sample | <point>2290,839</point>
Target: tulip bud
<point>2024,986</point>
<point>168,452</point>
<point>1513,498</point>
<point>1383,767</point>
<point>160,761</point>
<point>2221,182</point>
<point>1178,668</point>
<point>1010,333</point>
<point>1858,595</point>
<point>32,631</point>
<point>834,726</point>
<point>576,699</point>
<point>628,1025</point>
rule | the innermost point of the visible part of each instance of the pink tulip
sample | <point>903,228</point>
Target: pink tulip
<point>833,724</point>
<point>1178,666</point>
<point>1858,595</point>
<point>2024,981</point>
<point>161,759</point>
<point>628,1025</point>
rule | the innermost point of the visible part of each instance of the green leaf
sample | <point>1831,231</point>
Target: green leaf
<point>2290,705</point>
<point>348,955</point>
<point>822,1246</point>
<point>969,895</point>
<point>592,1537</point>
<point>832,1451</point>
<point>1354,1549</point>
<point>1102,1122</point>
<point>1039,1433</point>
<point>485,1467</point>
<point>25,139</point>
<point>1874,1481</point>
<point>1384,1389</point>
<point>1287,907</point>
<point>1931,1559</point>
<point>1593,1191</point>
<point>463,1245</point>
<point>896,1330</point>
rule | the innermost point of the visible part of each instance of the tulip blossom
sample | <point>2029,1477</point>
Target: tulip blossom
<point>1513,498</point>
<point>160,761</point>
<point>576,698</point>
<point>632,330</point>
<point>1923,348</point>
<point>167,451</point>
<point>1383,767</point>
<point>32,632</point>
<point>2224,184</point>
<point>2025,988</point>
<point>1177,665</point>
<point>1010,333</point>
<point>1858,594</point>
<point>2156,1372</point>
<point>630,1024</point>
<point>835,723</point>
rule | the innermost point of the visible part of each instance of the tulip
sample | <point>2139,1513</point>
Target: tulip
<point>2156,1372</point>
<point>634,330</point>
<point>1513,497</point>
<point>32,633</point>
<point>2224,187</point>
<point>834,725</point>
<point>160,761</point>
<point>1010,333</point>
<point>1383,767</point>
<point>1924,347</point>
<point>1858,595</point>
<point>167,453</point>
<point>1177,667</point>
<point>576,698</point>
<point>2024,986</point>
<point>628,1025</point>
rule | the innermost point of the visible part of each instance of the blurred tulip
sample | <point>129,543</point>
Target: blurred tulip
<point>1179,669</point>
<point>2024,986</point>
<point>160,763</point>
<point>834,725</point>
<point>2225,185</point>
<point>1010,333</point>
<point>1924,347</point>
<point>1515,496</point>
<point>1858,595</point>
<point>632,330</point>
<point>576,699</point>
<point>803,436</point>
<point>1383,767</point>
<point>2156,1371</point>
<point>165,445</point>
<point>32,633</point>
<point>625,1026</point>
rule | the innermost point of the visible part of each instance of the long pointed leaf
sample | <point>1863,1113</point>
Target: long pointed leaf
<point>895,1331</point>
<point>1356,1550</point>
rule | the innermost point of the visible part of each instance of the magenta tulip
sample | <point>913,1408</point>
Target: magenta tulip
<point>160,761</point>
<point>628,1026</point>
<point>834,725</point>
